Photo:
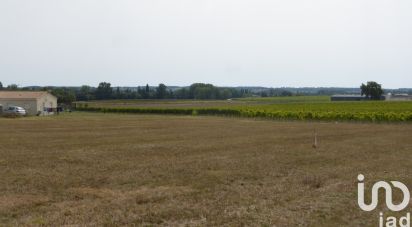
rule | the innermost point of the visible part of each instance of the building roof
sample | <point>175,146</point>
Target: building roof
<point>349,96</point>
<point>22,94</point>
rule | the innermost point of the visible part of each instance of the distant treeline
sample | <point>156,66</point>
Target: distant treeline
<point>104,91</point>
<point>196,91</point>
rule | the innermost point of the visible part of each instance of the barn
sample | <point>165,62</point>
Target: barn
<point>347,98</point>
<point>34,102</point>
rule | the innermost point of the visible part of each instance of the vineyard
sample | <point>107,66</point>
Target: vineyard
<point>372,111</point>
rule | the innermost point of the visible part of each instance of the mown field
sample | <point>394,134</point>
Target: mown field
<point>284,108</point>
<point>95,169</point>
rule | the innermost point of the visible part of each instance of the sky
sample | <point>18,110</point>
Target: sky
<point>272,43</point>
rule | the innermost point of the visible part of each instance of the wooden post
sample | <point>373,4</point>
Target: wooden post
<point>315,142</point>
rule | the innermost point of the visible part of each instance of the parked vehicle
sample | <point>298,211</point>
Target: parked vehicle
<point>14,111</point>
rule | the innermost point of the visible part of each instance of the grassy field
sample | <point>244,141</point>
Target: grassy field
<point>98,169</point>
<point>285,108</point>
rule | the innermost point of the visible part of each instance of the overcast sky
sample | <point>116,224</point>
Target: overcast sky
<point>269,43</point>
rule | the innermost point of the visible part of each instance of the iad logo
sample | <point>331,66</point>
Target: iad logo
<point>388,190</point>
<point>390,221</point>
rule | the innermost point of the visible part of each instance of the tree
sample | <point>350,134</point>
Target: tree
<point>203,91</point>
<point>65,96</point>
<point>225,93</point>
<point>147,92</point>
<point>263,94</point>
<point>286,93</point>
<point>140,92</point>
<point>13,87</point>
<point>1,86</point>
<point>118,94</point>
<point>85,93</point>
<point>372,90</point>
<point>161,91</point>
<point>182,93</point>
<point>104,91</point>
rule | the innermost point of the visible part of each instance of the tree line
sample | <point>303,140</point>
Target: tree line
<point>104,91</point>
<point>195,91</point>
<point>201,91</point>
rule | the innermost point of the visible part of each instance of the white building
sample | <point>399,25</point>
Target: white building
<point>398,97</point>
<point>34,102</point>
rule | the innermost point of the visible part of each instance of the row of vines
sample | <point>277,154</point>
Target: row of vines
<point>373,111</point>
